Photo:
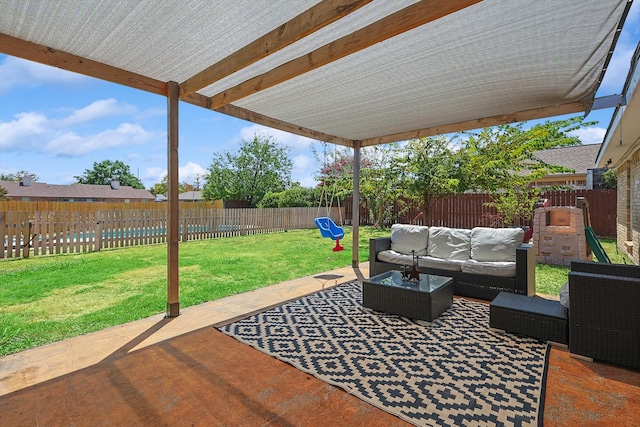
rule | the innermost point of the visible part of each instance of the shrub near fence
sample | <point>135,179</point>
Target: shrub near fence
<point>61,231</point>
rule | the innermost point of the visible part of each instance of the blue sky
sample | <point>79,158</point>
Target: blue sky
<point>56,124</point>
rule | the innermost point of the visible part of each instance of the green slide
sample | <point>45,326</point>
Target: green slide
<point>595,245</point>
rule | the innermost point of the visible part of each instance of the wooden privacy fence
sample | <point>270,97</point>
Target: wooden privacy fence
<point>469,210</point>
<point>35,233</point>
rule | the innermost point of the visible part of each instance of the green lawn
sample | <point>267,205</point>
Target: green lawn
<point>550,278</point>
<point>47,299</point>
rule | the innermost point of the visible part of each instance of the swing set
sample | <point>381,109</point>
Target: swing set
<point>328,228</point>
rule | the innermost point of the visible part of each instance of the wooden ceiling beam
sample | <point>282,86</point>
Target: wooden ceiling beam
<point>521,116</point>
<point>317,17</point>
<point>397,23</point>
<point>66,61</point>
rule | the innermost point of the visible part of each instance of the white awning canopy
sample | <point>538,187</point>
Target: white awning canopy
<point>336,70</point>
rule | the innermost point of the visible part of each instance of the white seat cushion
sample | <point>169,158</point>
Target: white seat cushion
<point>394,257</point>
<point>443,264</point>
<point>406,238</point>
<point>490,268</point>
<point>449,243</point>
<point>495,244</point>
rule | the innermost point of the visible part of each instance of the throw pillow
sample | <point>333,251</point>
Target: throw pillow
<point>406,238</point>
<point>495,244</point>
<point>449,243</point>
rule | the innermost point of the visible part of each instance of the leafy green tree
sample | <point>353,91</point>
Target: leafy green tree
<point>294,197</point>
<point>3,193</point>
<point>380,184</point>
<point>106,171</point>
<point>158,188</point>
<point>501,161</point>
<point>428,169</point>
<point>161,187</point>
<point>260,166</point>
<point>16,177</point>
<point>610,179</point>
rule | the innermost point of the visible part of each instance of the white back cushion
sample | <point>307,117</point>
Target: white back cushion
<point>406,237</point>
<point>495,244</point>
<point>449,243</point>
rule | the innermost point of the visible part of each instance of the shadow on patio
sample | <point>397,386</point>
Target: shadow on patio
<point>182,371</point>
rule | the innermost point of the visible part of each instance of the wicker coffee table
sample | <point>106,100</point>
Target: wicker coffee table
<point>424,300</point>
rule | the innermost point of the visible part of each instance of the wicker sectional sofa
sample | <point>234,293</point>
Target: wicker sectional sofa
<point>482,261</point>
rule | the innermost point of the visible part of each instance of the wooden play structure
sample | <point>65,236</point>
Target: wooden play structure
<point>562,234</point>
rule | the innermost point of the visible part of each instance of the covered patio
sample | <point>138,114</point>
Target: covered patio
<point>355,73</point>
<point>182,371</point>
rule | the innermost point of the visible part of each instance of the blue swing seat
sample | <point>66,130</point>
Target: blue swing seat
<point>329,229</point>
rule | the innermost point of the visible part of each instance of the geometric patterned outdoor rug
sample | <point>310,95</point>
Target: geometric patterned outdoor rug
<point>453,371</point>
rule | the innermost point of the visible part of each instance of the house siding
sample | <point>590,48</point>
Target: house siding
<point>628,207</point>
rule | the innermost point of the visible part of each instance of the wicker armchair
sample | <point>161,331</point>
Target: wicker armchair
<point>604,312</point>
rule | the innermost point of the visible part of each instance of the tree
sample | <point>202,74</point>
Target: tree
<point>161,187</point>
<point>294,197</point>
<point>3,193</point>
<point>260,166</point>
<point>610,179</point>
<point>335,177</point>
<point>193,183</point>
<point>106,171</point>
<point>429,169</point>
<point>380,184</point>
<point>16,177</point>
<point>501,161</point>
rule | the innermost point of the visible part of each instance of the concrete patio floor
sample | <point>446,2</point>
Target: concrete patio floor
<point>577,391</point>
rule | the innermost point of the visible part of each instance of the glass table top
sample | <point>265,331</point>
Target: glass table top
<point>427,283</point>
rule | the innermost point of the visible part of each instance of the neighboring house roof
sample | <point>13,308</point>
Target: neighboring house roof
<point>578,157</point>
<point>190,195</point>
<point>74,191</point>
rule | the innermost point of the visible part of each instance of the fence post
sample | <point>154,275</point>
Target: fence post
<point>3,234</point>
<point>98,225</point>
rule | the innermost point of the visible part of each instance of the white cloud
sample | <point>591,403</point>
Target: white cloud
<point>297,143</point>
<point>24,132</point>
<point>35,132</point>
<point>189,173</point>
<point>153,175</point>
<point>97,110</point>
<point>71,144</point>
<point>18,72</point>
<point>590,135</point>
<point>303,170</point>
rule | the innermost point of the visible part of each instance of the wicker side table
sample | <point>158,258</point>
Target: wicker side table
<point>535,317</point>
